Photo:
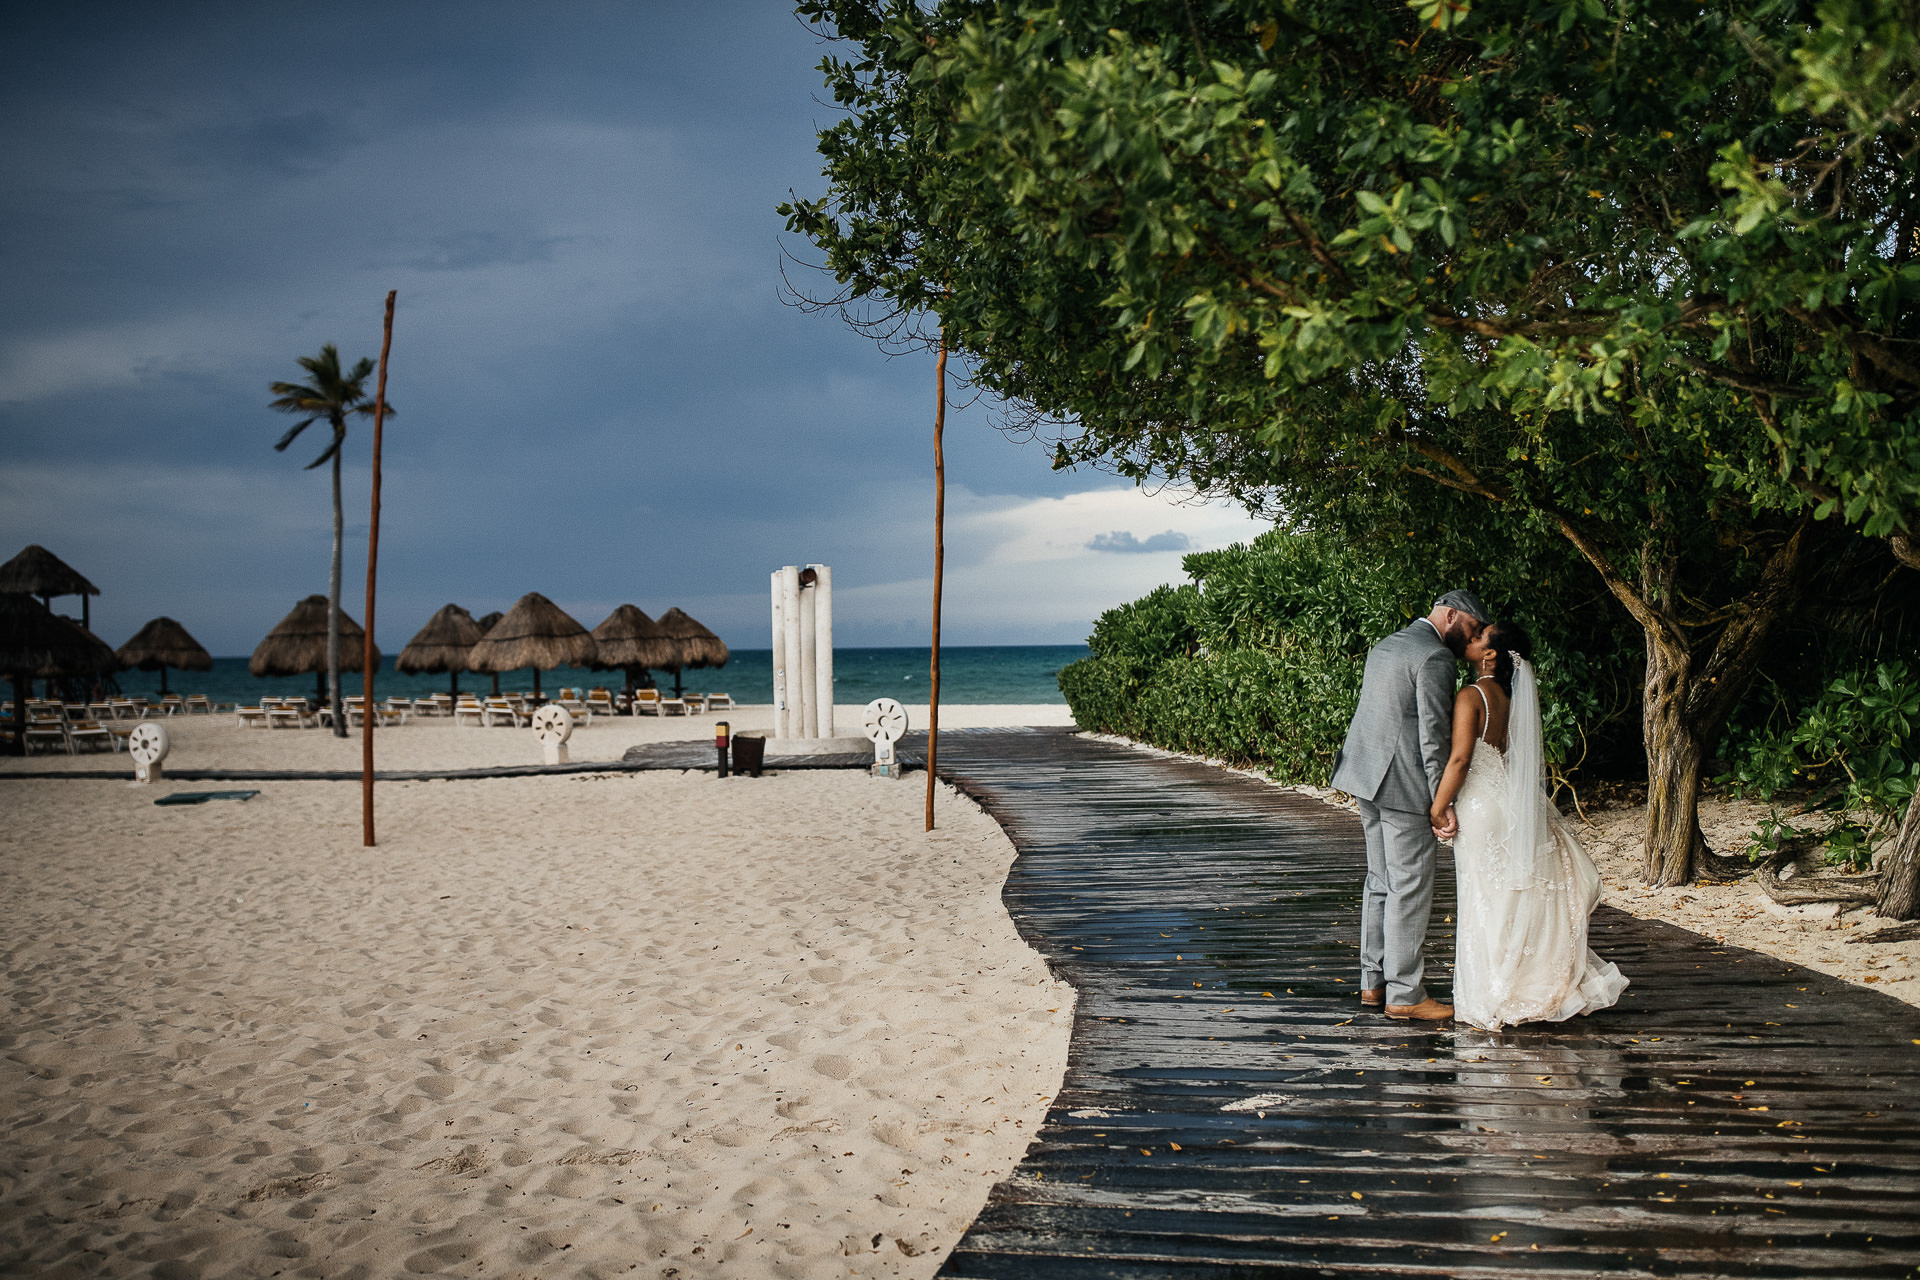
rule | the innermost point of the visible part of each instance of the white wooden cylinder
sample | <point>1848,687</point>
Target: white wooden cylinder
<point>823,647</point>
<point>790,638</point>
<point>779,658</point>
<point>809,693</point>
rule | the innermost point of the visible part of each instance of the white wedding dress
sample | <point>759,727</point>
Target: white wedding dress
<point>1525,890</point>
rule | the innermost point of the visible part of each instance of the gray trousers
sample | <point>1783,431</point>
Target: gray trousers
<point>1397,903</point>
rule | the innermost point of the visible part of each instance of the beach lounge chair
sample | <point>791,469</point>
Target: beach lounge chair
<point>198,702</point>
<point>600,702</point>
<point>646,702</point>
<point>172,705</point>
<point>502,711</point>
<point>469,711</point>
<point>48,733</point>
<point>719,702</point>
<point>285,713</point>
<point>251,717</point>
<point>89,732</point>
<point>673,706</point>
<point>100,711</point>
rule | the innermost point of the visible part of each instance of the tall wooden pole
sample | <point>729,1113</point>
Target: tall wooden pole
<point>939,562</point>
<point>367,713</point>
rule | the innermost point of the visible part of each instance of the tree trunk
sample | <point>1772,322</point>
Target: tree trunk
<point>1673,765</point>
<point>1900,875</point>
<point>333,608</point>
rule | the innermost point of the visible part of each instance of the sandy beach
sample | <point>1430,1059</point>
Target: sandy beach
<point>655,1024</point>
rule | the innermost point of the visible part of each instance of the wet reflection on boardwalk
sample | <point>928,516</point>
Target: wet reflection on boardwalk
<point>1229,1110</point>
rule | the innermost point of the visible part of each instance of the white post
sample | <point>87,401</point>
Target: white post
<point>809,695</point>
<point>823,647</point>
<point>790,620</point>
<point>779,658</point>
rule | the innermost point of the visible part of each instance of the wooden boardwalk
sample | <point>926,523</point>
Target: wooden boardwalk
<point>1228,1109</point>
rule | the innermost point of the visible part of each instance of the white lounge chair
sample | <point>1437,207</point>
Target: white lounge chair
<point>719,702</point>
<point>48,733</point>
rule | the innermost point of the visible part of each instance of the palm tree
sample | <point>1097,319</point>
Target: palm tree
<point>331,395</point>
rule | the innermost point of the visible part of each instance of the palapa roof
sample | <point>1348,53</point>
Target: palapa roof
<point>441,645</point>
<point>299,644</point>
<point>36,641</point>
<point>487,621</point>
<point>629,638</point>
<point>165,643</point>
<point>36,571</point>
<point>535,633</point>
<point>699,647</point>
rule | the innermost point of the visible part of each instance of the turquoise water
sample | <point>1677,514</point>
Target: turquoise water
<point>970,674</point>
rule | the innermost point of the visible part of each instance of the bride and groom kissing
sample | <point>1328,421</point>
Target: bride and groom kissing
<point>1428,763</point>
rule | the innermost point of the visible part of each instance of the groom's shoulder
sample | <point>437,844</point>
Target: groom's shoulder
<point>1417,636</point>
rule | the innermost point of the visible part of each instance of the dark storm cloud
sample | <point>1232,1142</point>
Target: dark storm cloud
<point>603,395</point>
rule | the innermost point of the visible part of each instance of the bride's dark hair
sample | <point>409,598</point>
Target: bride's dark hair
<point>1507,639</point>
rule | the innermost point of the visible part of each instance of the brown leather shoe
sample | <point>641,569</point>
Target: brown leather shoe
<point>1373,997</point>
<point>1428,1010</point>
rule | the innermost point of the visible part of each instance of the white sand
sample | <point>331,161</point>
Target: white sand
<point>652,1024</point>
<point>1819,937</point>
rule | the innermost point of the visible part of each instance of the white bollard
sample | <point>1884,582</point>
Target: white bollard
<point>885,723</point>
<point>823,646</point>
<point>779,657</point>
<point>148,744</point>
<point>552,726</point>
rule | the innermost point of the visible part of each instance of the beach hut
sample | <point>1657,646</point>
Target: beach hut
<point>630,641</point>
<point>36,571</point>
<point>299,645</point>
<point>695,645</point>
<point>164,643</point>
<point>442,645</point>
<point>535,633</point>
<point>36,642</point>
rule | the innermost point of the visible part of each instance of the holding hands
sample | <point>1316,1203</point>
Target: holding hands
<point>1446,823</point>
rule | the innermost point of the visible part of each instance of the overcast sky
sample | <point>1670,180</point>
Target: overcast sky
<point>601,395</point>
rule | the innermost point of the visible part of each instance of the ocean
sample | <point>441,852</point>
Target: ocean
<point>969,674</point>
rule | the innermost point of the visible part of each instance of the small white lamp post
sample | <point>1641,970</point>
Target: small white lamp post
<point>552,726</point>
<point>884,723</point>
<point>148,744</point>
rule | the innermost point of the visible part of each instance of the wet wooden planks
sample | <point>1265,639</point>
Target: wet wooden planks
<point>1228,1109</point>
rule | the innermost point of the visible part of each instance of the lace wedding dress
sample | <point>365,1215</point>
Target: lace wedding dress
<point>1525,887</point>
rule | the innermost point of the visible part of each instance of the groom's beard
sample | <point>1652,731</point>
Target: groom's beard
<point>1456,642</point>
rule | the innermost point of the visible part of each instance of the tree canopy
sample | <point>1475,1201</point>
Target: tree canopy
<point>1640,276</point>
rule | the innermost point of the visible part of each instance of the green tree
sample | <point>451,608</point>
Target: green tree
<point>330,395</point>
<point>1639,276</point>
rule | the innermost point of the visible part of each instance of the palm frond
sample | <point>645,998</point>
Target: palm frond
<point>293,431</point>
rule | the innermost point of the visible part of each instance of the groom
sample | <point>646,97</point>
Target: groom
<point>1396,750</point>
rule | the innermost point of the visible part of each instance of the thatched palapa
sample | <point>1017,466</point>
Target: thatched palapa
<point>299,644</point>
<point>35,642</point>
<point>164,643</point>
<point>698,647</point>
<point>630,641</point>
<point>442,645</point>
<point>36,571</point>
<point>535,633</point>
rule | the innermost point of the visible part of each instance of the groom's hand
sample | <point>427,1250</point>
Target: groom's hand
<point>1449,827</point>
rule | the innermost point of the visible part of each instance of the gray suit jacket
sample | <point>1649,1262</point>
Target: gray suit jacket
<point>1401,734</point>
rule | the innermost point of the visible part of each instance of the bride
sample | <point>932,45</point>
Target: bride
<point>1525,885</point>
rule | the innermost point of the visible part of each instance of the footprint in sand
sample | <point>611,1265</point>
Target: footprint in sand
<point>834,1066</point>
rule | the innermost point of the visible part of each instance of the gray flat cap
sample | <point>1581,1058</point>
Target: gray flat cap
<point>1467,603</point>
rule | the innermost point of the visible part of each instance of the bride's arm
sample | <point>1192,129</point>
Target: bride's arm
<point>1468,708</point>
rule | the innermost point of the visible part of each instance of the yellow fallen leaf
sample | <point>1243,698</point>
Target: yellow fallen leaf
<point>1497,1236</point>
<point>1356,1195</point>
<point>1269,995</point>
<point>1174,1145</point>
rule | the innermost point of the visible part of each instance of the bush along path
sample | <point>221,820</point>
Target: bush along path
<point>1228,1109</point>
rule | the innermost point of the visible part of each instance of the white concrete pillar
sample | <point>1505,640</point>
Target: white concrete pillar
<point>779,658</point>
<point>790,620</point>
<point>823,647</point>
<point>809,697</point>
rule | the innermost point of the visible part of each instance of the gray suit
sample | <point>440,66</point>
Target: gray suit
<point>1395,752</point>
